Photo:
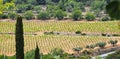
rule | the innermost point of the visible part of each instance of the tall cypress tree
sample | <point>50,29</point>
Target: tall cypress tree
<point>37,55</point>
<point>19,39</point>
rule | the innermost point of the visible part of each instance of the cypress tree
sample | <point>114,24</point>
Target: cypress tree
<point>37,55</point>
<point>19,39</point>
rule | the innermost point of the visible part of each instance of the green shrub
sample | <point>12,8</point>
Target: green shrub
<point>37,8</point>
<point>21,8</point>
<point>77,49</point>
<point>91,46</point>
<point>116,34</point>
<point>28,15</point>
<point>43,16</point>
<point>90,16</point>
<point>83,34</point>
<point>57,52</point>
<point>105,18</point>
<point>4,16</point>
<point>12,15</point>
<point>30,54</point>
<point>59,14</point>
<point>113,42</point>
<point>78,32</point>
<point>104,34</point>
<point>115,55</point>
<point>49,33</point>
<point>76,15</point>
<point>101,44</point>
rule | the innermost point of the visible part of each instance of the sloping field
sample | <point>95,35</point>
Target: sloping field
<point>48,42</point>
<point>61,26</point>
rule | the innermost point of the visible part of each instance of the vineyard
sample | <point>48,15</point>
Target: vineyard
<point>48,42</point>
<point>69,26</point>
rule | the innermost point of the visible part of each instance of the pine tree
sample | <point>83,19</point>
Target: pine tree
<point>19,39</point>
<point>37,55</point>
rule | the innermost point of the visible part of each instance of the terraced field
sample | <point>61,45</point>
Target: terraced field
<point>61,26</point>
<point>48,42</point>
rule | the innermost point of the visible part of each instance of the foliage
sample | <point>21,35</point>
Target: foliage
<point>69,6</point>
<point>59,14</point>
<point>43,15</point>
<point>77,49</point>
<point>12,15</point>
<point>41,2</point>
<point>113,9</point>
<point>7,57</point>
<point>91,46</point>
<point>98,5</point>
<point>9,6</point>
<point>101,44</point>
<point>37,8</point>
<point>113,42</point>
<point>62,4</point>
<point>78,32</point>
<point>4,16</point>
<point>1,14</point>
<point>37,54</point>
<point>89,16</point>
<point>1,2</point>
<point>21,8</point>
<point>52,10</point>
<point>105,18</point>
<point>55,1</point>
<point>86,52</point>
<point>20,2</point>
<point>30,54</point>
<point>24,7</point>
<point>19,39</point>
<point>76,15</point>
<point>56,52</point>
<point>115,55</point>
<point>28,15</point>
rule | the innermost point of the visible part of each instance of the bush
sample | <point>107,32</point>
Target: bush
<point>60,14</point>
<point>30,54</point>
<point>115,55</point>
<point>103,34</point>
<point>49,33</point>
<point>92,46</point>
<point>101,44</point>
<point>28,15</point>
<point>116,34</point>
<point>12,15</point>
<point>4,16</point>
<point>55,1</point>
<point>78,32</point>
<point>77,49</point>
<point>89,16</point>
<point>76,15</point>
<point>43,15</point>
<point>83,34</point>
<point>37,8</point>
<point>57,52</point>
<point>21,8</point>
<point>113,42</point>
<point>105,18</point>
